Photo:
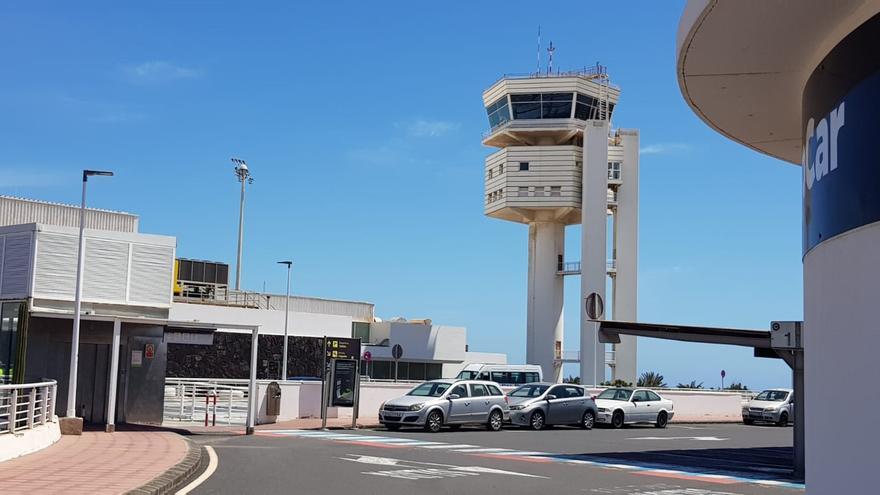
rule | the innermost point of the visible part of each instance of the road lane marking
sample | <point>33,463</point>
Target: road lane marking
<point>415,470</point>
<point>699,439</point>
<point>212,466</point>
<point>449,446</point>
<point>651,469</point>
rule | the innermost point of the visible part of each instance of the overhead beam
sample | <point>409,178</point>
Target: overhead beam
<point>610,332</point>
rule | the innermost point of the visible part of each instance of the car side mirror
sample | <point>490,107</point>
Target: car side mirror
<point>551,397</point>
<point>453,396</point>
<point>636,399</point>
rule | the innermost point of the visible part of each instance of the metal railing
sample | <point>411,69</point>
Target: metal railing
<point>27,405</point>
<point>197,400</point>
<point>574,267</point>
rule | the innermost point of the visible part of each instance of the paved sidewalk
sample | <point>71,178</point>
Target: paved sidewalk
<point>94,463</point>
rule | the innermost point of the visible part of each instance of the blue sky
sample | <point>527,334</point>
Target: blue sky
<point>362,127</point>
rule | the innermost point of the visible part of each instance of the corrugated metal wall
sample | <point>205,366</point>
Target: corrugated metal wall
<point>16,211</point>
<point>116,271</point>
<point>15,263</point>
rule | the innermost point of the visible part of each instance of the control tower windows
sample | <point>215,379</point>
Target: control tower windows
<point>542,105</point>
<point>589,108</point>
<point>498,112</point>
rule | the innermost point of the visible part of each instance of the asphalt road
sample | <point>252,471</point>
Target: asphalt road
<point>679,460</point>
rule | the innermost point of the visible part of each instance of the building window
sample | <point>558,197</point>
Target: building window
<point>490,174</point>
<point>522,191</point>
<point>578,164</point>
<point>498,112</point>
<point>613,170</point>
<point>523,166</point>
<point>555,190</point>
<point>360,330</point>
<point>542,106</point>
<point>500,169</point>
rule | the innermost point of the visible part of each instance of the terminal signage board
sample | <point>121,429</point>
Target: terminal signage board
<point>342,348</point>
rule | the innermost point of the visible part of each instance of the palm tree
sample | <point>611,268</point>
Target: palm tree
<point>572,379</point>
<point>651,379</point>
<point>692,384</point>
<point>737,386</point>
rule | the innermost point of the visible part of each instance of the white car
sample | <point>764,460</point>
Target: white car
<point>620,406</point>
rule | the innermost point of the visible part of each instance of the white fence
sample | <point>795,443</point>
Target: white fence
<point>27,405</point>
<point>205,401</point>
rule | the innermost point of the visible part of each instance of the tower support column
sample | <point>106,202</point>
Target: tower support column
<point>626,246</point>
<point>594,205</point>
<point>545,297</point>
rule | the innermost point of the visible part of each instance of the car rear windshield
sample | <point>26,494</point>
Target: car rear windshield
<point>529,391</point>
<point>615,394</point>
<point>772,395</point>
<point>430,389</point>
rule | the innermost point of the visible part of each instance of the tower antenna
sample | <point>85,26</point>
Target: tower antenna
<point>539,50</point>
<point>550,51</point>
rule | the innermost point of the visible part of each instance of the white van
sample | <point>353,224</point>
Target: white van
<point>509,375</point>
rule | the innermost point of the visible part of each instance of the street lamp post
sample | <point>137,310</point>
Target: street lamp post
<point>80,260</point>
<point>286,317</point>
<point>244,176</point>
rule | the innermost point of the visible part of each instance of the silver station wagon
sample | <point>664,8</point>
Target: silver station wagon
<point>437,403</point>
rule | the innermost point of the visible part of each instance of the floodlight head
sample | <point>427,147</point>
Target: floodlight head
<point>242,171</point>
<point>288,263</point>
<point>89,173</point>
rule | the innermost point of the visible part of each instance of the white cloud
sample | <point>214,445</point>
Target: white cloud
<point>665,148</point>
<point>430,128</point>
<point>158,71</point>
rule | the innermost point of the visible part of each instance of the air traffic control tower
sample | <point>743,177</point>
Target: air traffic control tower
<point>559,163</point>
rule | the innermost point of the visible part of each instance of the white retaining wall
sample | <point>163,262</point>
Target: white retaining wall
<point>28,441</point>
<point>303,399</point>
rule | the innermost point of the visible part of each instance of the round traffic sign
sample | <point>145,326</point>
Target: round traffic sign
<point>397,351</point>
<point>594,306</point>
<point>368,356</point>
<point>723,373</point>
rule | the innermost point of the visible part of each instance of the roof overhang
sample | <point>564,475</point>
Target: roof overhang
<point>742,65</point>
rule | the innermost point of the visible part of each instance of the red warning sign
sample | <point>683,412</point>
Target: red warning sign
<point>149,351</point>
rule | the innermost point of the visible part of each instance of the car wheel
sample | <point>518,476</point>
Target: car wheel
<point>783,419</point>
<point>536,422</point>
<point>496,421</point>
<point>617,419</point>
<point>589,420</point>
<point>392,427</point>
<point>434,422</point>
<point>662,420</point>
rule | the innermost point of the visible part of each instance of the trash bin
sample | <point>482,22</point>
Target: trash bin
<point>273,399</point>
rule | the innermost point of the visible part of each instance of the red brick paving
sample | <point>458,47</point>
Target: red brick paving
<point>94,463</point>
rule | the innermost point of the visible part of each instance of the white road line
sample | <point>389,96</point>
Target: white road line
<point>212,466</point>
<point>520,453</point>
<point>449,446</point>
<point>482,451</point>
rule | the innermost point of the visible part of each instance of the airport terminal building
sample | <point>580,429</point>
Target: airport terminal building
<point>148,315</point>
<point>800,81</point>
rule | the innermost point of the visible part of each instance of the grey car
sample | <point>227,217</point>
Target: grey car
<point>436,403</point>
<point>770,406</point>
<point>536,405</point>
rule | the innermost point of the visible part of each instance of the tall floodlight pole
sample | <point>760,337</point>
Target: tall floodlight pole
<point>244,176</point>
<point>80,259</point>
<point>286,318</point>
